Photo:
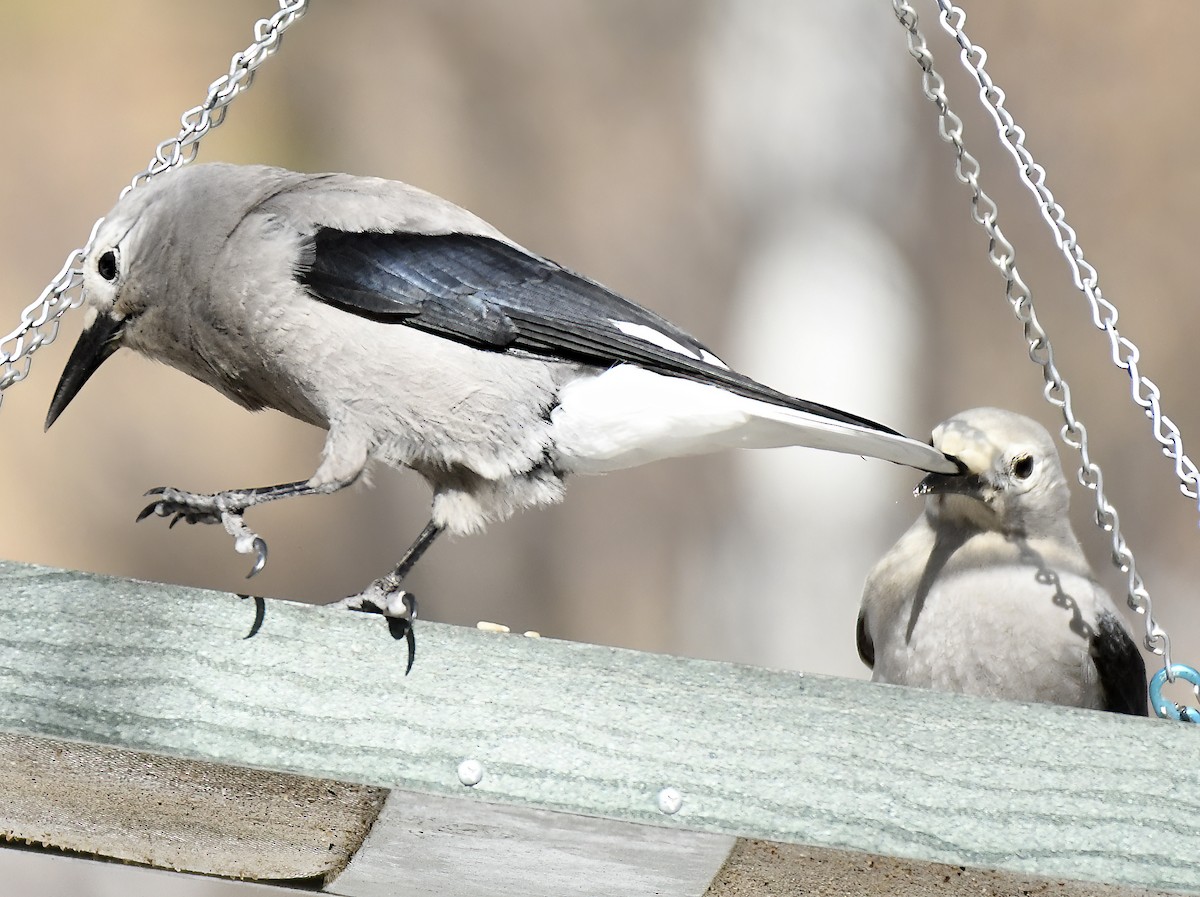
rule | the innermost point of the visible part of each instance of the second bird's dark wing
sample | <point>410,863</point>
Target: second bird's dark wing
<point>864,642</point>
<point>1121,668</point>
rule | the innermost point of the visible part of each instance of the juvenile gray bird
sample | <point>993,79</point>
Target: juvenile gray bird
<point>419,336</point>
<point>989,592</point>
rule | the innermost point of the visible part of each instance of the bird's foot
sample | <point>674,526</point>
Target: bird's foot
<point>385,597</point>
<point>225,508</point>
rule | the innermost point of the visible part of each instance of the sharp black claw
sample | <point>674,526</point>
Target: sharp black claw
<point>260,548</point>
<point>146,512</point>
<point>174,520</point>
<point>260,614</point>
<point>403,629</point>
<point>157,490</point>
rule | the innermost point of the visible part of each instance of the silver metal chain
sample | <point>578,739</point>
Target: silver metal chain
<point>1056,390</point>
<point>40,319</point>
<point>1125,354</point>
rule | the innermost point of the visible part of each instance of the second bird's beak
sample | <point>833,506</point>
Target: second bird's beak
<point>101,339</point>
<point>950,484</point>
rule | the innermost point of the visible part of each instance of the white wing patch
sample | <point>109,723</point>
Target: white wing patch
<point>628,415</point>
<point>660,339</point>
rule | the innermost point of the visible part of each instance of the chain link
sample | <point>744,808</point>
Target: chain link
<point>1056,390</point>
<point>1125,354</point>
<point>40,319</point>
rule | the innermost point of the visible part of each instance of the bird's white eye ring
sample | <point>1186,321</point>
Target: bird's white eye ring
<point>1022,467</point>
<point>106,265</point>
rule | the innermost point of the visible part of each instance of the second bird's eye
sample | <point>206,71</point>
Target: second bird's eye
<point>1022,467</point>
<point>106,265</point>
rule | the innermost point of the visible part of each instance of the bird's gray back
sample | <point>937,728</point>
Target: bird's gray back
<point>219,247</point>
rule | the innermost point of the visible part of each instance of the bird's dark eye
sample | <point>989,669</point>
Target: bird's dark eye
<point>1022,467</point>
<point>106,265</point>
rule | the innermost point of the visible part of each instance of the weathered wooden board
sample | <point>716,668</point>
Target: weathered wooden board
<point>179,814</point>
<point>428,846</point>
<point>766,869</point>
<point>596,731</point>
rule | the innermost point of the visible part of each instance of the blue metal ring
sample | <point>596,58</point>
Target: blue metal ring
<point>1169,709</point>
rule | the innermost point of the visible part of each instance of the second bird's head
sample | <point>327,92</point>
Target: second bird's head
<point>1012,479</point>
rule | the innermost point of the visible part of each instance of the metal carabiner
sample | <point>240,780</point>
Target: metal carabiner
<point>1169,709</point>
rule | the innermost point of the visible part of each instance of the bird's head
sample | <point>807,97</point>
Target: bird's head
<point>115,300</point>
<point>1011,481</point>
<point>104,322</point>
<point>156,247</point>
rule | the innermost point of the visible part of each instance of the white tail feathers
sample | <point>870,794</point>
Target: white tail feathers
<point>628,416</point>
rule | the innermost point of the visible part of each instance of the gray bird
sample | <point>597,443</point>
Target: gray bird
<point>419,336</point>
<point>989,592</point>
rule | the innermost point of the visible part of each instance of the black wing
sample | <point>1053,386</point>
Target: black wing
<point>1121,668</point>
<point>493,296</point>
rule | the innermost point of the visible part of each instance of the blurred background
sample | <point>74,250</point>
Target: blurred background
<point>766,174</point>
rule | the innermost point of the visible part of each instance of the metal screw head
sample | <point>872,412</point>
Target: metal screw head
<point>670,800</point>
<point>470,772</point>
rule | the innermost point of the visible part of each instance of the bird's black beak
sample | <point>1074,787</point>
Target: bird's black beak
<point>96,343</point>
<point>950,484</point>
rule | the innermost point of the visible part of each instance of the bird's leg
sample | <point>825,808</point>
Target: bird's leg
<point>384,596</point>
<point>227,508</point>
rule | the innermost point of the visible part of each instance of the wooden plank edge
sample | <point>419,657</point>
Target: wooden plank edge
<point>757,868</point>
<point>425,845</point>
<point>179,814</point>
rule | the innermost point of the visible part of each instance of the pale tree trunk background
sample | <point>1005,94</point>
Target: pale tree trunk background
<point>766,174</point>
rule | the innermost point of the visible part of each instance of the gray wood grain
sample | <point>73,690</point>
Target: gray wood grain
<point>599,731</point>
<point>430,846</point>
